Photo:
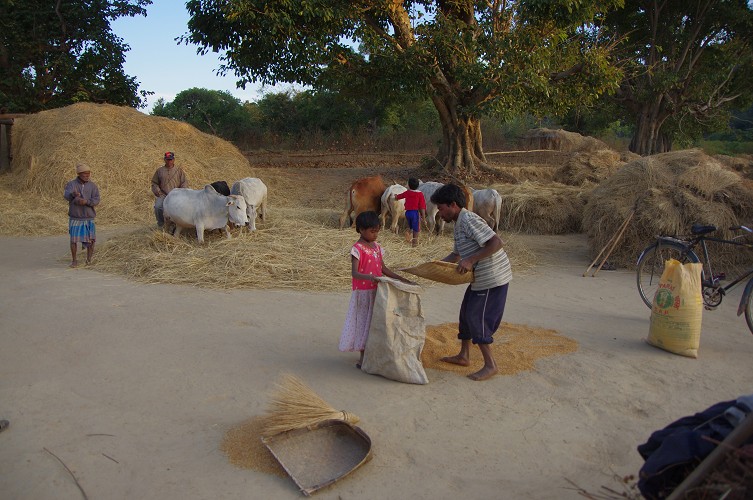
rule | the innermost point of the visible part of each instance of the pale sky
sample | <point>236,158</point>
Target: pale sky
<point>166,68</point>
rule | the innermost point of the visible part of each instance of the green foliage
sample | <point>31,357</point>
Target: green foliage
<point>211,111</point>
<point>687,66</point>
<point>53,54</point>
<point>729,148</point>
<point>470,58</point>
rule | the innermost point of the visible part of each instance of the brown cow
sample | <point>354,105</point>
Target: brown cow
<point>364,194</point>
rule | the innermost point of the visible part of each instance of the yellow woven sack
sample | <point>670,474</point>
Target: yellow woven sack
<point>677,309</point>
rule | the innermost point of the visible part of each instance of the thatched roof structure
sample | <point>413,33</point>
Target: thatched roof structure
<point>669,193</point>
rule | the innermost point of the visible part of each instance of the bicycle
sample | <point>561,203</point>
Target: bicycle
<point>650,267</point>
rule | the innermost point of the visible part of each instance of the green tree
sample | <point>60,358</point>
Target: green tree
<point>55,53</point>
<point>687,66</point>
<point>470,58</point>
<point>215,112</point>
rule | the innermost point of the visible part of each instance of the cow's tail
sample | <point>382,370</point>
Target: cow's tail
<point>345,219</point>
<point>497,211</point>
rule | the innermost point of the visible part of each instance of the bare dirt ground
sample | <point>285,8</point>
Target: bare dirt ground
<point>123,390</point>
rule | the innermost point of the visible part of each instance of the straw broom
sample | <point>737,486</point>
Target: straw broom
<point>296,406</point>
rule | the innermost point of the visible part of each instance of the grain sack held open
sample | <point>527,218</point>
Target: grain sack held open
<point>397,334</point>
<point>677,309</point>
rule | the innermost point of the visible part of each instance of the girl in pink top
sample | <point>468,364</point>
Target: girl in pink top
<point>367,265</point>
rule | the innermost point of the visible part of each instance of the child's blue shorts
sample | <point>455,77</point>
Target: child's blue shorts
<point>413,219</point>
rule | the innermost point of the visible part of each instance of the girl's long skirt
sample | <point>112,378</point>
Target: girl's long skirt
<point>357,322</point>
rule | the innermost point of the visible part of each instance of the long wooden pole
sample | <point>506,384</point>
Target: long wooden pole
<point>613,242</point>
<point>733,440</point>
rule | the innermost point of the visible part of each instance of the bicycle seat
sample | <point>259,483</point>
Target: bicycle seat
<point>701,229</point>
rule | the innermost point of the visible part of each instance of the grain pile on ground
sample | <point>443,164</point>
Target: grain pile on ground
<point>669,192</point>
<point>534,208</point>
<point>587,169</point>
<point>516,349</point>
<point>269,257</point>
<point>560,140</point>
<point>122,146</point>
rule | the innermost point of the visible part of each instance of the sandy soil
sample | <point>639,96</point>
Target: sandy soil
<point>133,386</point>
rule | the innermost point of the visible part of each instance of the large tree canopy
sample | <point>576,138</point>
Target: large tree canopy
<point>687,65</point>
<point>471,58</point>
<point>55,53</point>
<point>212,111</point>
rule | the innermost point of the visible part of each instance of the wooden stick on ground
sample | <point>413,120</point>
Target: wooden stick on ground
<point>612,243</point>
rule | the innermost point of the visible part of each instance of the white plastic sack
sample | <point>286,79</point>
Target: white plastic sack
<point>397,333</point>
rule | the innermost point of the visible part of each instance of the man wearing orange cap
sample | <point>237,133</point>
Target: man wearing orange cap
<point>164,180</point>
<point>82,195</point>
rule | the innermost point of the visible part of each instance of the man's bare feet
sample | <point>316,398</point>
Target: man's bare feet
<point>74,264</point>
<point>456,360</point>
<point>483,374</point>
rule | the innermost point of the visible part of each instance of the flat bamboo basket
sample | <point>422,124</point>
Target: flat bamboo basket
<point>321,454</point>
<point>443,272</point>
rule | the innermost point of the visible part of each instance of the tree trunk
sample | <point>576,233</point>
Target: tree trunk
<point>461,153</point>
<point>648,138</point>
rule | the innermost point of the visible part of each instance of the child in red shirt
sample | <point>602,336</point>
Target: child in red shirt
<point>415,208</point>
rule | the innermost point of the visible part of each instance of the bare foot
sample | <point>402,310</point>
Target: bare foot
<point>74,264</point>
<point>483,374</point>
<point>456,360</point>
<point>88,262</point>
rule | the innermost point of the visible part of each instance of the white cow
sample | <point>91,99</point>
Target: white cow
<point>488,204</point>
<point>395,208</point>
<point>432,212</point>
<point>254,191</point>
<point>203,209</point>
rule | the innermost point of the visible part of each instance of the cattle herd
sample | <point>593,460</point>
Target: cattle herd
<point>370,193</point>
<point>218,205</point>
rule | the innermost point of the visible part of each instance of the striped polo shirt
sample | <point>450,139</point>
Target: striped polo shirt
<point>471,233</point>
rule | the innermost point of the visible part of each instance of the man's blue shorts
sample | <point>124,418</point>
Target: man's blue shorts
<point>413,218</point>
<point>481,313</point>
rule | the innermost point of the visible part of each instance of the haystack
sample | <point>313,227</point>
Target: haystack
<point>669,192</point>
<point>742,164</point>
<point>122,146</point>
<point>588,168</point>
<point>535,208</point>
<point>560,140</point>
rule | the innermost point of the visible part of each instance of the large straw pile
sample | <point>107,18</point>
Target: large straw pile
<point>587,169</point>
<point>560,140</point>
<point>122,146</point>
<point>271,256</point>
<point>535,208</point>
<point>669,193</point>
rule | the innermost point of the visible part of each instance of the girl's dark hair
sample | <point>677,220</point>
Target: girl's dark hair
<point>447,194</point>
<point>367,220</point>
<point>413,183</point>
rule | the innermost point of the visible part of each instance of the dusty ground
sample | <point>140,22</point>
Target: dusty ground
<point>133,386</point>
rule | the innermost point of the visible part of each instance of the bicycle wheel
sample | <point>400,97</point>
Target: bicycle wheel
<point>651,266</point>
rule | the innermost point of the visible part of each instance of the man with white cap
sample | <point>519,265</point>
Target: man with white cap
<point>164,180</point>
<point>82,195</point>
